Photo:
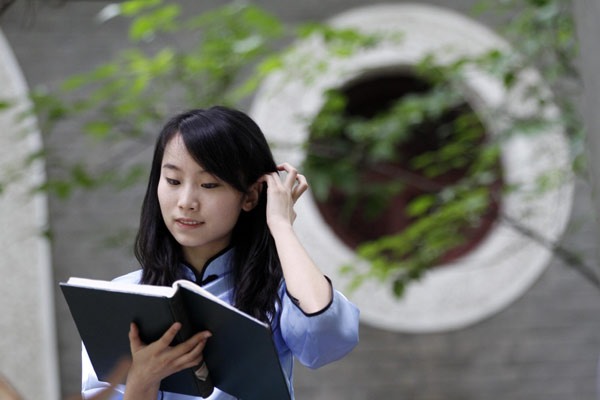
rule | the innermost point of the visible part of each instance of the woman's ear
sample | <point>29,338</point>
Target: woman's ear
<point>252,196</point>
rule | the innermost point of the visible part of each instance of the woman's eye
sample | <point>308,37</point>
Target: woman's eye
<point>210,185</point>
<point>172,181</point>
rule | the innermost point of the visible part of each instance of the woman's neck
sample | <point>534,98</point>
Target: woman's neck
<point>198,257</point>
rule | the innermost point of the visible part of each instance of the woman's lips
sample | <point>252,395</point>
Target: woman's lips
<point>188,223</point>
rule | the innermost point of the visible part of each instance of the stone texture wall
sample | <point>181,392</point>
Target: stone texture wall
<point>27,339</point>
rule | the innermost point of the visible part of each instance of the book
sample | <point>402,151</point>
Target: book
<point>241,356</point>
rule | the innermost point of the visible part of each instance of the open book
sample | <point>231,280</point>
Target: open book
<point>241,356</point>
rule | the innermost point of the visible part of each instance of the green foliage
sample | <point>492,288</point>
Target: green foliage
<point>134,7</point>
<point>160,20</point>
<point>420,205</point>
<point>347,150</point>
<point>341,42</point>
<point>235,46</point>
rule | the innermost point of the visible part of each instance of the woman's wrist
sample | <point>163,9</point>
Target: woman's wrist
<point>139,389</point>
<point>280,227</point>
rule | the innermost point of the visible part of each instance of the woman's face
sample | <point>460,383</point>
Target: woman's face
<point>199,209</point>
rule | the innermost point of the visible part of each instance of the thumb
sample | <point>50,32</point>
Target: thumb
<point>135,343</point>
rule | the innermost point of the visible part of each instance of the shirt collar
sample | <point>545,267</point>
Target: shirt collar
<point>216,267</point>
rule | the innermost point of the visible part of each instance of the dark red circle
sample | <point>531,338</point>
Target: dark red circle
<point>366,97</point>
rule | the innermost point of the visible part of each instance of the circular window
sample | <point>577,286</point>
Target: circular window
<point>504,263</point>
<point>382,191</point>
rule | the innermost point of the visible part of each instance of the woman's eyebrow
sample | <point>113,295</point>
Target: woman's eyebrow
<point>171,166</point>
<point>176,168</point>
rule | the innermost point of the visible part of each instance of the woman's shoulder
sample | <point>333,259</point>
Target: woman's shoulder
<point>132,277</point>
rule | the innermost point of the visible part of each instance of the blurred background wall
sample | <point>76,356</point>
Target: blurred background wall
<point>543,346</point>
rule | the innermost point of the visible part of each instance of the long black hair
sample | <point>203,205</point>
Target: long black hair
<point>228,144</point>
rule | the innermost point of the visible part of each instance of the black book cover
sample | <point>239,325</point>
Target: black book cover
<point>241,356</point>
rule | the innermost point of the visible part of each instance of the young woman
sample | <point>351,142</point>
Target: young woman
<point>217,212</point>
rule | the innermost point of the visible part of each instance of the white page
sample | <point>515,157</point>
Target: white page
<point>151,290</point>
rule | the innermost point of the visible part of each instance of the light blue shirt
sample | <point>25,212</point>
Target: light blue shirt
<point>314,339</point>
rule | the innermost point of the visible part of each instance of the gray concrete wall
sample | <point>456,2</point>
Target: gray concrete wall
<point>544,346</point>
<point>587,13</point>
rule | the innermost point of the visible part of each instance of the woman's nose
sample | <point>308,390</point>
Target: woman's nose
<point>188,199</point>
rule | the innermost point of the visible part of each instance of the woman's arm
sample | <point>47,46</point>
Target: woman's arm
<point>303,279</point>
<point>318,324</point>
<point>151,363</point>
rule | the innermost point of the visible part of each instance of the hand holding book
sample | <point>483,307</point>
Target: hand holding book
<point>155,361</point>
<point>170,338</point>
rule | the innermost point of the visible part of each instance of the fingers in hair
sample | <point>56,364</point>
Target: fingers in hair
<point>292,174</point>
<point>300,188</point>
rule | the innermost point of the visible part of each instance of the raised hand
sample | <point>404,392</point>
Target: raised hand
<point>283,194</point>
<point>303,279</point>
<point>155,361</point>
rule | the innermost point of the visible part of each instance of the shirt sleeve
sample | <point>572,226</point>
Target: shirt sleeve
<point>319,338</point>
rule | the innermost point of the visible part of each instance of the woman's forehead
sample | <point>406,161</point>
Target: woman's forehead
<point>177,156</point>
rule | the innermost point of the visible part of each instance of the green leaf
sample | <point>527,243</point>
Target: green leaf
<point>81,177</point>
<point>32,157</point>
<point>135,174</point>
<point>141,28</point>
<point>347,269</point>
<point>248,44</point>
<point>267,23</point>
<point>133,7</point>
<point>509,79</point>
<point>244,90</point>
<point>4,104</point>
<point>74,82</point>
<point>105,71</point>
<point>309,28</point>
<point>420,205</point>
<point>480,7</point>
<point>398,287</point>
<point>356,282</point>
<point>147,25</point>
<point>47,233</point>
<point>270,64</point>
<point>61,188</point>
<point>97,129</point>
